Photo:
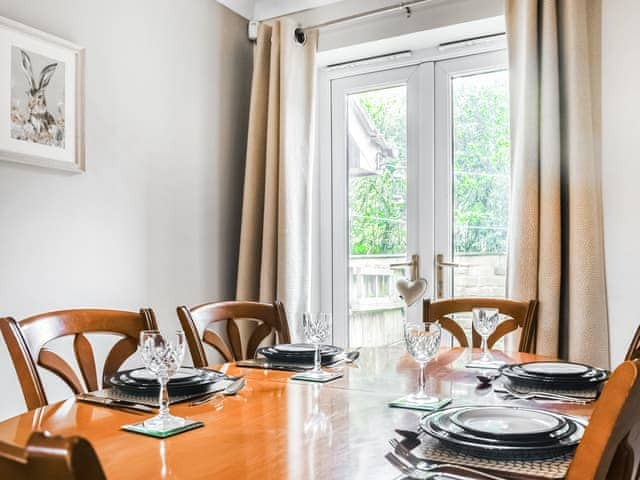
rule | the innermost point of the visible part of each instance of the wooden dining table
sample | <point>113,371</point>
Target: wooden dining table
<point>276,427</point>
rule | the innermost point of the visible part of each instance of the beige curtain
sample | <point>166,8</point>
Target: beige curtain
<point>274,254</point>
<point>556,244</point>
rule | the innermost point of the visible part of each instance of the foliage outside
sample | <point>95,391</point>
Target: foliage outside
<point>481,170</point>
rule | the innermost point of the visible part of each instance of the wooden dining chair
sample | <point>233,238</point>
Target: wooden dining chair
<point>28,339</point>
<point>197,320</point>
<point>521,315</point>
<point>633,353</point>
<point>610,447</point>
<point>50,457</point>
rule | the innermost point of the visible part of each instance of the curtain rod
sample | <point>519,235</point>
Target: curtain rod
<point>300,31</point>
<point>406,6</point>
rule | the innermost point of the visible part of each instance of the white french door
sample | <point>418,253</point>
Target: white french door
<point>416,154</point>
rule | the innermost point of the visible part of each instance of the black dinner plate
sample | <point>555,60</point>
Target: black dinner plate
<point>501,450</point>
<point>328,354</point>
<point>590,380</point>
<point>538,368</point>
<point>444,424</point>
<point>592,373</point>
<point>123,381</point>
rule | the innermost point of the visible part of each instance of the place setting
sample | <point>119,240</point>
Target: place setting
<point>551,380</point>
<point>307,360</point>
<point>496,438</point>
<point>161,382</point>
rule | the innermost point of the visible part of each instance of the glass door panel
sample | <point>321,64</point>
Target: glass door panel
<point>374,164</point>
<point>377,208</point>
<point>481,181</point>
<point>473,161</point>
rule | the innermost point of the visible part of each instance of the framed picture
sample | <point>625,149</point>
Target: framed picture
<point>41,98</point>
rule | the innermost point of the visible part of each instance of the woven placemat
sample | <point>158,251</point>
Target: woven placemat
<point>555,468</point>
<point>152,400</point>
<point>591,394</point>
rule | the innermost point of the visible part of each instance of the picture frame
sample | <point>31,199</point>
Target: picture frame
<point>42,93</point>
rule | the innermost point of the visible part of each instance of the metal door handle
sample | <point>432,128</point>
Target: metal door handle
<point>452,264</point>
<point>440,264</point>
<point>414,263</point>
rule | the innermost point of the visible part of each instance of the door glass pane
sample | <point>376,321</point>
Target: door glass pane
<point>481,184</point>
<point>481,179</point>
<point>377,159</point>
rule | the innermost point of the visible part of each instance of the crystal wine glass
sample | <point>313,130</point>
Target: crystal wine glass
<point>422,341</point>
<point>163,358</point>
<point>485,321</point>
<point>316,329</point>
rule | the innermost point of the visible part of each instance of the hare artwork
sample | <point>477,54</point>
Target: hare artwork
<point>35,122</point>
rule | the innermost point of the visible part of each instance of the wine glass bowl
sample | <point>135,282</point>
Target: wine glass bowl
<point>423,342</point>
<point>485,321</point>
<point>316,327</point>
<point>159,356</point>
<point>162,358</point>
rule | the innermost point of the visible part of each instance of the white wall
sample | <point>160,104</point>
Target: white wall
<point>621,167</point>
<point>155,219</point>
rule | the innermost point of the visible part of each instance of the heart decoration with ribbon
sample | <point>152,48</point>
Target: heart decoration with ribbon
<point>411,291</point>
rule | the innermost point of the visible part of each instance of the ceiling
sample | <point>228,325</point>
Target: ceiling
<point>263,9</point>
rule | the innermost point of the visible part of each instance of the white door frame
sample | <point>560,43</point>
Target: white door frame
<point>429,141</point>
<point>414,77</point>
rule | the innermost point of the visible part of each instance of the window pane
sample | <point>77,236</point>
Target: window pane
<point>377,159</point>
<point>481,183</point>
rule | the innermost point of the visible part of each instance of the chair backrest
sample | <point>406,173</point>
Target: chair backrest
<point>610,447</point>
<point>195,322</point>
<point>27,343</point>
<point>633,353</point>
<point>53,458</point>
<point>521,315</point>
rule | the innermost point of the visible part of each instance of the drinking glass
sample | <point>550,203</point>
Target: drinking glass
<point>422,341</point>
<point>485,321</point>
<point>316,329</point>
<point>163,358</point>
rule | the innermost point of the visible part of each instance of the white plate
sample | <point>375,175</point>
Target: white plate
<point>507,421</point>
<point>144,374</point>
<point>298,347</point>
<point>555,368</point>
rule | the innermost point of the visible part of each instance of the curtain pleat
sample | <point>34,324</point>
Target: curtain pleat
<point>274,257</point>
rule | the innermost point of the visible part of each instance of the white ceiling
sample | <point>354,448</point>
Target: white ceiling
<point>262,9</point>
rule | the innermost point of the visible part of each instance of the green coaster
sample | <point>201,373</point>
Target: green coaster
<point>404,403</point>
<point>306,377</point>
<point>140,428</point>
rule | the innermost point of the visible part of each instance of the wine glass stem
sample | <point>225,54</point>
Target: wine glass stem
<point>421,382</point>
<point>316,359</point>
<point>484,347</point>
<point>164,397</point>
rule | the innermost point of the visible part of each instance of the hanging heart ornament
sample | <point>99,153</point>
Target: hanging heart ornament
<point>411,291</point>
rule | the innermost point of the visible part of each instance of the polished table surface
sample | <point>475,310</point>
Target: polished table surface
<point>276,427</point>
